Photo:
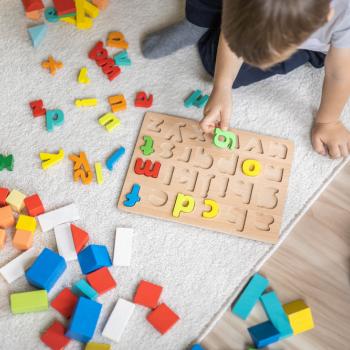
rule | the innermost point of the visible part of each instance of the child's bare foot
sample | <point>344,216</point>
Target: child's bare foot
<point>171,39</point>
<point>331,139</point>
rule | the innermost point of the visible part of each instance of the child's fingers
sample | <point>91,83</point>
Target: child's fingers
<point>318,146</point>
<point>334,151</point>
<point>344,150</point>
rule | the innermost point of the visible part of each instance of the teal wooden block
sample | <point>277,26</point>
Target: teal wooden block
<point>82,288</point>
<point>196,99</point>
<point>37,34</point>
<point>54,117</point>
<point>250,296</point>
<point>276,314</point>
<point>122,59</point>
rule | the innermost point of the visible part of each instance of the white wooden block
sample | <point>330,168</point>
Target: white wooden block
<point>17,267</point>
<point>123,246</point>
<point>65,243</point>
<point>118,320</point>
<point>59,216</point>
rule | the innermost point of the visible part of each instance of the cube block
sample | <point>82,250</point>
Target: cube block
<point>7,218</point>
<point>148,294</point>
<point>82,288</point>
<point>93,257</point>
<point>65,302</point>
<point>34,205</point>
<point>54,337</point>
<point>300,316</point>
<point>4,192</point>
<point>64,7</point>
<point>84,320</point>
<point>26,223</point>
<point>23,240</point>
<point>97,346</point>
<point>46,269</point>
<point>101,280</point>
<point>162,318</point>
<point>16,200</point>
<point>264,334</point>
<point>29,302</point>
<point>2,238</point>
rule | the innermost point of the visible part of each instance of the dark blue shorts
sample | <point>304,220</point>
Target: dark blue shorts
<point>207,13</point>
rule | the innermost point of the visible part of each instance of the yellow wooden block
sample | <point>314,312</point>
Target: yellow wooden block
<point>70,20</point>
<point>109,121</point>
<point>183,204</point>
<point>214,209</point>
<point>83,76</point>
<point>86,102</point>
<point>99,175</point>
<point>91,10</point>
<point>251,167</point>
<point>16,200</point>
<point>26,223</point>
<point>50,159</point>
<point>97,346</point>
<point>300,316</point>
<point>80,11</point>
<point>87,24</point>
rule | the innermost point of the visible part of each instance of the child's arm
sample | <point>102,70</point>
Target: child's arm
<point>329,134</point>
<point>217,112</point>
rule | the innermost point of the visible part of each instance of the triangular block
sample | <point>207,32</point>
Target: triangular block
<point>80,237</point>
<point>37,34</point>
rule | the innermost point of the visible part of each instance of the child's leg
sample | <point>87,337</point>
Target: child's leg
<point>200,15</point>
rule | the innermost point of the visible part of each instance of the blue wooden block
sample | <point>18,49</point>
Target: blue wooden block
<point>54,117</point>
<point>37,34</point>
<point>93,257</point>
<point>133,197</point>
<point>264,334</point>
<point>84,320</point>
<point>276,314</point>
<point>82,288</point>
<point>197,347</point>
<point>114,158</point>
<point>122,59</point>
<point>196,99</point>
<point>46,269</point>
<point>250,296</point>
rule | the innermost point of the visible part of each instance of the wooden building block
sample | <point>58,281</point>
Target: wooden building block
<point>143,101</point>
<point>109,121</point>
<point>80,237</point>
<point>99,173</point>
<point>162,318</point>
<point>16,268</point>
<point>264,334</point>
<point>97,346</point>
<point>83,77</point>
<point>7,218</point>
<point>300,316</point>
<point>16,200</point>
<point>35,15</point>
<point>23,240</point>
<point>249,207</point>
<point>65,243</point>
<point>4,192</point>
<point>148,294</point>
<point>26,223</point>
<point>101,280</point>
<point>117,103</point>
<point>65,302</point>
<point>32,5</point>
<point>82,288</point>
<point>2,238</point>
<point>276,314</point>
<point>93,257</point>
<point>117,40</point>
<point>54,118</point>
<point>34,205</point>
<point>250,296</point>
<point>101,4</point>
<point>25,302</point>
<point>90,9</point>
<point>64,7</point>
<point>54,337</point>
<point>50,159</point>
<point>59,216</point>
<point>123,246</point>
<point>118,320</point>
<point>114,158</point>
<point>81,168</point>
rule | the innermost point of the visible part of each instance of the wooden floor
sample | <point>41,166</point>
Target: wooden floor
<point>312,264</point>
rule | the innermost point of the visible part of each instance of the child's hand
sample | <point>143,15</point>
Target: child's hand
<point>217,112</point>
<point>331,138</point>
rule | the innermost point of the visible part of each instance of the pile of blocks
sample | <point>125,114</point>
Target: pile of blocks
<point>283,320</point>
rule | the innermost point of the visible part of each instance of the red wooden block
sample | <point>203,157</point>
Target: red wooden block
<point>34,205</point>
<point>148,294</point>
<point>101,280</point>
<point>4,192</point>
<point>54,336</point>
<point>32,5</point>
<point>65,302</point>
<point>142,100</point>
<point>37,107</point>
<point>64,7</point>
<point>162,318</point>
<point>147,168</point>
<point>80,237</point>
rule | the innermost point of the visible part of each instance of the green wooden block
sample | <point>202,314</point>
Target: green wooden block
<point>224,139</point>
<point>29,302</point>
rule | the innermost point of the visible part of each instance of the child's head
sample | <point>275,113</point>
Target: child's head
<point>265,32</point>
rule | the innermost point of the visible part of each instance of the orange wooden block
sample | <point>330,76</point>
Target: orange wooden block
<point>6,217</point>
<point>2,238</point>
<point>162,318</point>
<point>101,280</point>
<point>117,40</point>
<point>81,168</point>
<point>52,65</point>
<point>80,237</point>
<point>101,4</point>
<point>35,15</point>
<point>148,294</point>
<point>23,240</point>
<point>118,103</point>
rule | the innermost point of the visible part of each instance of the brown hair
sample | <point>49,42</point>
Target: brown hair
<point>261,30</point>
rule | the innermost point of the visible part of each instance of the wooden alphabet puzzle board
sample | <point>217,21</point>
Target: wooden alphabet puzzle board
<point>174,162</point>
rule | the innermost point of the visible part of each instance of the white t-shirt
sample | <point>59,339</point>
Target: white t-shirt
<point>335,33</point>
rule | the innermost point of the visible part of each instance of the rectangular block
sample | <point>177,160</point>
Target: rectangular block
<point>162,318</point>
<point>29,302</point>
<point>84,320</point>
<point>101,280</point>
<point>118,320</point>
<point>250,296</point>
<point>276,314</point>
<point>7,218</point>
<point>65,302</point>
<point>54,337</point>
<point>264,334</point>
<point>59,216</point>
<point>65,243</point>
<point>64,7</point>
<point>26,223</point>
<point>17,267</point>
<point>97,346</point>
<point>23,240</point>
<point>4,192</point>
<point>82,288</point>
<point>34,205</point>
<point>16,200</point>
<point>123,246</point>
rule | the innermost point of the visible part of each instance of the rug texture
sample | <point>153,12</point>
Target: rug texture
<point>201,271</point>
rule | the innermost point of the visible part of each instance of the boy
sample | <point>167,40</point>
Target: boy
<point>243,41</point>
